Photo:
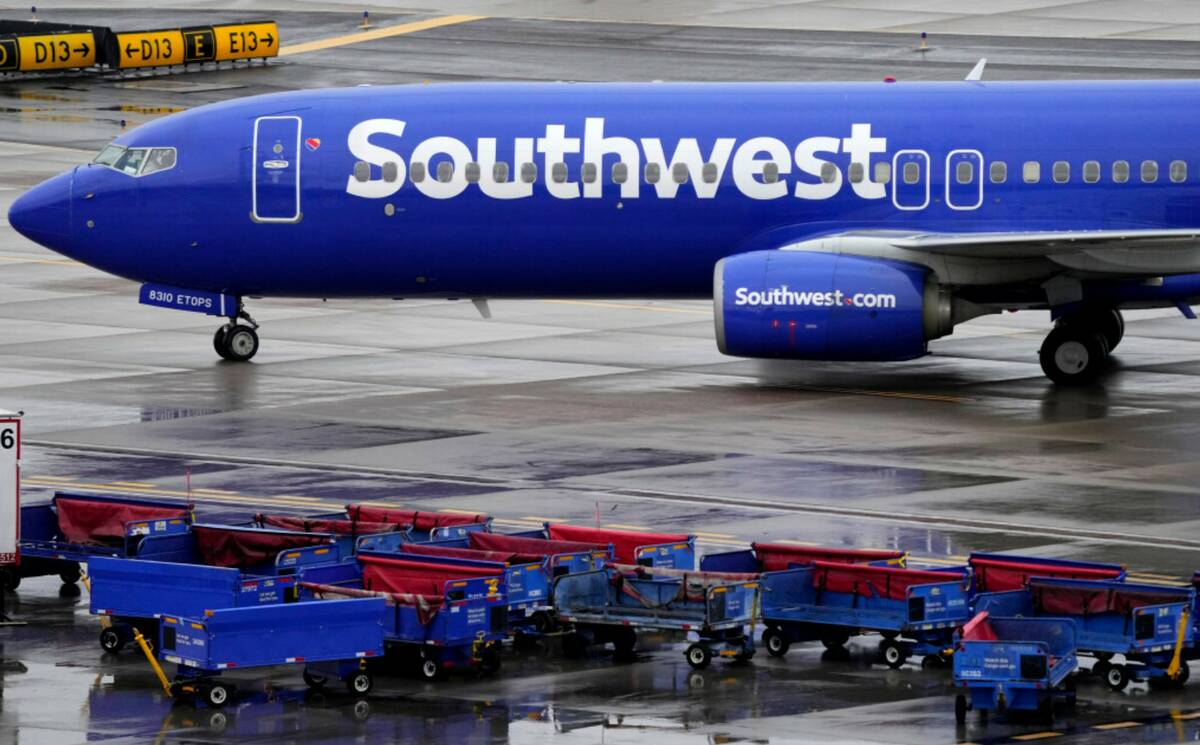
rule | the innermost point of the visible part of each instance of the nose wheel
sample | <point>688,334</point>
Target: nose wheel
<point>236,342</point>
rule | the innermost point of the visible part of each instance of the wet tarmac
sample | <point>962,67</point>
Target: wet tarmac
<point>617,412</point>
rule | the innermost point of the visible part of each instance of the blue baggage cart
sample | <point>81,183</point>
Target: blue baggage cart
<point>643,548</point>
<point>333,639</point>
<point>419,525</point>
<point>442,615</point>
<point>1014,664</point>
<point>770,557</point>
<point>915,611</point>
<point>59,535</point>
<point>611,604</point>
<point>1000,572</point>
<point>137,594</point>
<point>1149,625</point>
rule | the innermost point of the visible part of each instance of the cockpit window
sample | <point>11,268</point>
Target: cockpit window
<point>109,155</point>
<point>137,161</point>
<point>161,158</point>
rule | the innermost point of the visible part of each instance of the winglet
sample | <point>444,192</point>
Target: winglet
<point>976,72</point>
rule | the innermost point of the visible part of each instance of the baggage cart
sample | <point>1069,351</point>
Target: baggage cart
<point>771,557</point>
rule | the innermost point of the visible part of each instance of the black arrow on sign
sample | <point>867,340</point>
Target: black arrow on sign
<point>83,48</point>
<point>269,39</point>
<point>130,49</point>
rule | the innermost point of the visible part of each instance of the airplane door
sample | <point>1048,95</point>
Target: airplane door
<point>964,179</point>
<point>910,180</point>
<point>276,175</point>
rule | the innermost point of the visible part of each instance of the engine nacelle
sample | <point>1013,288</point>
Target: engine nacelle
<point>819,306</point>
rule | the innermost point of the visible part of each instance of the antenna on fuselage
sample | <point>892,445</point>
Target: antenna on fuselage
<point>976,72</point>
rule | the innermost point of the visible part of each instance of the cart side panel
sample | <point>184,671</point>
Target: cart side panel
<point>937,603</point>
<point>730,561</point>
<point>673,555</point>
<point>144,589</point>
<point>1007,603</point>
<point>573,593</point>
<point>785,589</point>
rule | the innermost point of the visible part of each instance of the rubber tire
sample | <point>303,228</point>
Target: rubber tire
<point>430,669</point>
<point>1100,669</point>
<point>574,646</point>
<point>360,683</point>
<point>489,661</point>
<point>835,639</point>
<point>1185,672</point>
<point>70,575</point>
<point>893,654</point>
<point>1104,656</point>
<point>698,656</point>
<point>960,709</point>
<point>776,644</point>
<point>111,640</point>
<point>314,681</point>
<point>240,343</point>
<point>1116,677</point>
<point>217,695</point>
<point>1112,326</point>
<point>1091,346</point>
<point>219,341</point>
<point>624,641</point>
<point>543,622</point>
<point>11,580</point>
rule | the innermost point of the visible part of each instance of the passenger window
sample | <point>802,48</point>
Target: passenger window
<point>416,172</point>
<point>1120,171</point>
<point>999,172</point>
<point>829,173</point>
<point>856,173</point>
<point>109,155</point>
<point>1032,171</point>
<point>1091,171</point>
<point>620,173</point>
<point>445,171</point>
<point>390,172</point>
<point>912,172</point>
<point>679,173</point>
<point>1149,171</point>
<point>131,161</point>
<point>472,172</point>
<point>500,173</point>
<point>529,172</point>
<point>964,172</point>
<point>589,173</point>
<point>362,171</point>
<point>1062,171</point>
<point>883,173</point>
<point>1178,171</point>
<point>709,173</point>
<point>161,159</point>
<point>653,173</point>
<point>558,172</point>
<point>770,173</point>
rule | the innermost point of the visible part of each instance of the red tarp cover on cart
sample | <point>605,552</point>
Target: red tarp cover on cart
<point>96,522</point>
<point>427,605</point>
<point>389,574</point>
<point>994,574</point>
<point>1072,599</point>
<point>624,542</point>
<point>979,629</point>
<point>423,521</point>
<point>475,554</point>
<point>775,556</point>
<point>223,546</point>
<point>528,545</point>
<point>869,581</point>
<point>324,525</point>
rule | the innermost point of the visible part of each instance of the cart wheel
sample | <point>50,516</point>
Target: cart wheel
<point>431,669</point>
<point>1104,656</point>
<point>489,661</point>
<point>543,622</point>
<point>111,640</point>
<point>934,662</point>
<point>216,694</point>
<point>960,709</point>
<point>698,656</point>
<point>625,641</point>
<point>890,635</point>
<point>574,646</point>
<point>360,683</point>
<point>1100,669</point>
<point>70,575</point>
<point>313,680</point>
<point>1117,677</point>
<point>835,639</point>
<point>10,579</point>
<point>776,643</point>
<point>893,654</point>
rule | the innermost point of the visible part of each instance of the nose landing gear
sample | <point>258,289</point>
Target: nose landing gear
<point>1077,348</point>
<point>237,342</point>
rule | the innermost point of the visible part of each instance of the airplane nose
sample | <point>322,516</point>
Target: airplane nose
<point>43,214</point>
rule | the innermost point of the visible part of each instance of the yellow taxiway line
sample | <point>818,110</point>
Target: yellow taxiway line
<point>374,34</point>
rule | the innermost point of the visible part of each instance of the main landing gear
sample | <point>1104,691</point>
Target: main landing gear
<point>1077,348</point>
<point>237,342</point>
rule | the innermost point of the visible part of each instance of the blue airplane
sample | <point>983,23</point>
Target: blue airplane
<point>826,221</point>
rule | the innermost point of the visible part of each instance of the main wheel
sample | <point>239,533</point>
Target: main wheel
<point>1112,325</point>
<point>698,656</point>
<point>431,669</point>
<point>70,574</point>
<point>219,341</point>
<point>893,654</point>
<point>240,344</point>
<point>359,683</point>
<point>776,643</point>
<point>313,680</point>
<point>960,709</point>
<point>835,639</point>
<point>1117,677</point>
<point>111,640</point>
<point>217,694</point>
<point>1072,354</point>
